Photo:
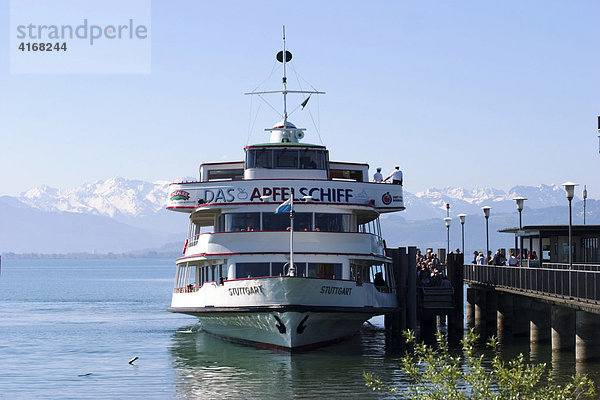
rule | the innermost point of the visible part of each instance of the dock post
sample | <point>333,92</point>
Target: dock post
<point>480,308</point>
<point>411,292</point>
<point>470,307</point>
<point>403,282</point>
<point>456,318</point>
<point>587,342</point>
<point>505,317</point>
<point>491,312</point>
<point>395,322</point>
<point>539,328</point>
<point>563,328</point>
<point>521,318</point>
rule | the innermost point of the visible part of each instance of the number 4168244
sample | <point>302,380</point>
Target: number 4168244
<point>43,46</point>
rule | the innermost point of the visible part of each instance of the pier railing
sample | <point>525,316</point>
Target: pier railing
<point>579,284</point>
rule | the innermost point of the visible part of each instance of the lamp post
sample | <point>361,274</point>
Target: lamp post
<point>486,214</point>
<point>584,195</point>
<point>520,201</point>
<point>447,220</point>
<point>570,189</point>
<point>447,210</point>
<point>462,225</point>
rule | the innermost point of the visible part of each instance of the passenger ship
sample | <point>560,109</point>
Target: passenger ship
<point>290,280</point>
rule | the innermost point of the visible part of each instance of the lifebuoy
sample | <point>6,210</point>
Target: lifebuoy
<point>185,245</point>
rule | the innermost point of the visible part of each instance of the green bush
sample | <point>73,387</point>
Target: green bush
<point>436,374</point>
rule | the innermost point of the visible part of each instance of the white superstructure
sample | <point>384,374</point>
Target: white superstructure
<point>235,274</point>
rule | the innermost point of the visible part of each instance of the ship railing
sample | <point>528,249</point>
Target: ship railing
<point>187,289</point>
<point>378,240</point>
<point>193,240</point>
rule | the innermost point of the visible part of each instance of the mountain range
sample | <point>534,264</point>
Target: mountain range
<point>122,215</point>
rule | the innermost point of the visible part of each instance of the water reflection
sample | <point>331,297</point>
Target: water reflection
<point>209,367</point>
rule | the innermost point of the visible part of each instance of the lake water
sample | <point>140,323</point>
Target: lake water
<point>69,327</point>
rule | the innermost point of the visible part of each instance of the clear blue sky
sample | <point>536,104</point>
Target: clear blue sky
<point>469,93</point>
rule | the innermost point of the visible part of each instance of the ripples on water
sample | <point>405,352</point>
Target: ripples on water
<point>69,327</point>
<point>211,368</point>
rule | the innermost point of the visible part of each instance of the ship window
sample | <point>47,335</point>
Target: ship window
<point>281,222</point>
<point>325,271</point>
<point>333,222</point>
<point>279,269</point>
<point>375,269</point>
<point>276,222</point>
<point>312,159</point>
<point>219,174</point>
<point>303,221</point>
<point>371,227</point>
<point>259,158</point>
<point>347,174</point>
<point>235,222</point>
<point>286,158</point>
<point>251,270</point>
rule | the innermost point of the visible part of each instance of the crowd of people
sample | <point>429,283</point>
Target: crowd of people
<point>499,259</point>
<point>429,271</point>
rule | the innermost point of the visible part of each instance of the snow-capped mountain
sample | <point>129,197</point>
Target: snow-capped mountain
<point>113,197</point>
<point>432,202</point>
<point>134,202</point>
<point>119,214</point>
<point>126,200</point>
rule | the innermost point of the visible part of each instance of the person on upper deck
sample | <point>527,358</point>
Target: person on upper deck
<point>396,176</point>
<point>377,177</point>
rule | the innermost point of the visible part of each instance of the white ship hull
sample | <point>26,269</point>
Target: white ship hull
<point>303,330</point>
<point>289,313</point>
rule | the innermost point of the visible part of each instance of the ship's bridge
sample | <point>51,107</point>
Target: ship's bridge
<point>287,161</point>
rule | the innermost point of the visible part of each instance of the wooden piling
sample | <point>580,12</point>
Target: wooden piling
<point>411,292</point>
<point>456,318</point>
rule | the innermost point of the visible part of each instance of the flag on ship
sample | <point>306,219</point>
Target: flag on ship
<point>285,206</point>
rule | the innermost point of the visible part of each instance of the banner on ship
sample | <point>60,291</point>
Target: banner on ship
<point>194,194</point>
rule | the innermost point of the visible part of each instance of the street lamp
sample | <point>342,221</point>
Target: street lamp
<point>447,209</point>
<point>486,213</point>
<point>584,195</point>
<point>520,201</point>
<point>447,220</point>
<point>570,189</point>
<point>462,223</point>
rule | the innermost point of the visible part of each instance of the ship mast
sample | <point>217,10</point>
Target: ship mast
<point>285,131</point>
<point>284,80</point>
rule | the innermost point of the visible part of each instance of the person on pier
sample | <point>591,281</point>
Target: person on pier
<point>512,260</point>
<point>488,258</point>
